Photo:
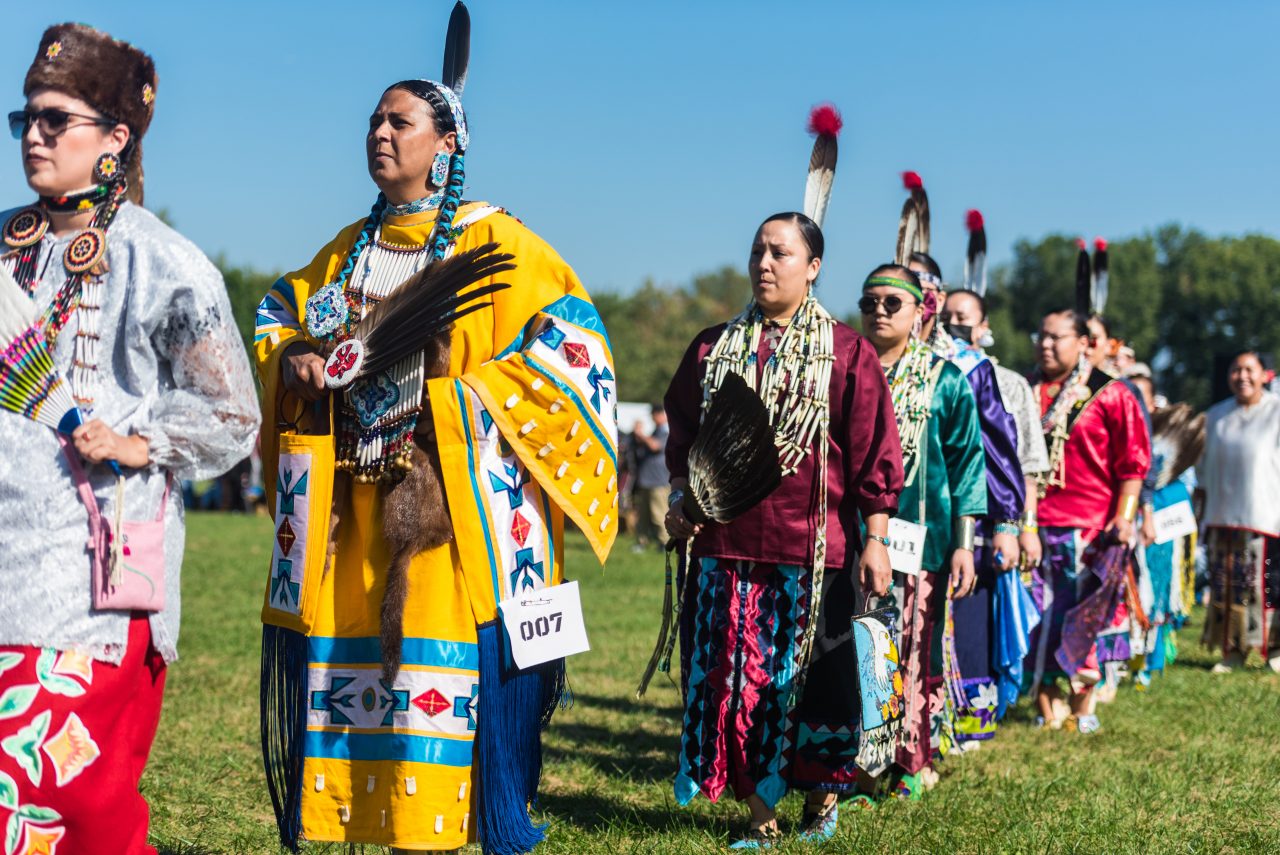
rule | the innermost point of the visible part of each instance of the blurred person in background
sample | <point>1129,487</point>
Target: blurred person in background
<point>652,481</point>
<point>1239,476</point>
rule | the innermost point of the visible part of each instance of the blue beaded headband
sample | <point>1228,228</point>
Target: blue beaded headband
<point>455,107</point>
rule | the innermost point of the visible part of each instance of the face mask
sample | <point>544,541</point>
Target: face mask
<point>961,331</point>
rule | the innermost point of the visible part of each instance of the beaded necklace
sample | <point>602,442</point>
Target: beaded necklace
<point>85,262</point>
<point>378,414</point>
<point>795,386</point>
<point>1054,424</point>
<point>911,381</point>
<point>795,383</point>
<point>417,206</point>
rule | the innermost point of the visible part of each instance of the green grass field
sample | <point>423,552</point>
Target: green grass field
<point>1193,765</point>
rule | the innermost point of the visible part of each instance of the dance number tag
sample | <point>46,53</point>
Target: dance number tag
<point>544,624</point>
<point>906,546</point>
<point>1175,521</point>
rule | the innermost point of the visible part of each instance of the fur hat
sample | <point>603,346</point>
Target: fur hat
<point>113,77</point>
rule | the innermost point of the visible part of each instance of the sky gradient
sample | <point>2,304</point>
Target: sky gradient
<point>649,140</point>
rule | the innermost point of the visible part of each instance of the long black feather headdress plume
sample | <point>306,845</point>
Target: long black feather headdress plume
<point>457,49</point>
<point>824,123</point>
<point>1101,278</point>
<point>975,261</point>
<point>1084,281</point>
<point>733,463</point>
<point>421,308</point>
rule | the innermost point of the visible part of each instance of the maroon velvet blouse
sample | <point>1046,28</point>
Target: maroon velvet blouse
<point>864,460</point>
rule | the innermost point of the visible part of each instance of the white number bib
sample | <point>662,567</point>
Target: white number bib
<point>906,546</point>
<point>1174,522</point>
<point>544,624</point>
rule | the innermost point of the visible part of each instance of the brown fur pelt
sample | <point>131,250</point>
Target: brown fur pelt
<point>415,518</point>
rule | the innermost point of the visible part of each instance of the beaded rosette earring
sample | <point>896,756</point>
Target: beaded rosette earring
<point>107,168</point>
<point>440,169</point>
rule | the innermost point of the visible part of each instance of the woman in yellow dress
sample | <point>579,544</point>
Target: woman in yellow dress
<point>388,714</point>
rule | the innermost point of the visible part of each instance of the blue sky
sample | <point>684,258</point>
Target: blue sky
<point>650,139</point>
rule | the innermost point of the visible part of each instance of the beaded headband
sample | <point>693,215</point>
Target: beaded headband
<point>894,282</point>
<point>455,107</point>
<point>926,276</point>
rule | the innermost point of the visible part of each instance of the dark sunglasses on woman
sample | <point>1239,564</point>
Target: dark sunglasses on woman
<point>51,121</point>
<point>892,303</point>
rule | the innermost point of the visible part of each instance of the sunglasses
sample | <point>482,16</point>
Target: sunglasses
<point>892,303</point>
<point>51,121</point>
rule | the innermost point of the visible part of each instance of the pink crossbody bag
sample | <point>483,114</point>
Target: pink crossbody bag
<point>130,576</point>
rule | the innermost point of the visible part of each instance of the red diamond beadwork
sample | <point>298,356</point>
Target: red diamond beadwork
<point>520,528</point>
<point>431,702</point>
<point>285,537</point>
<point>576,355</point>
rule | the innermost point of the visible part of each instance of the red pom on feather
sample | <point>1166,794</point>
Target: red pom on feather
<point>973,220</point>
<point>825,121</point>
<point>1100,244</point>
<point>912,181</point>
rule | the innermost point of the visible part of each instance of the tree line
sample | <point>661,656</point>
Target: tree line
<point>1183,300</point>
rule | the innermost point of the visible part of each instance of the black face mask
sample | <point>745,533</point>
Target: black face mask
<point>960,331</point>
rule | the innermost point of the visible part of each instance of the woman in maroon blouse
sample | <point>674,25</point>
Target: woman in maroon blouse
<point>765,625</point>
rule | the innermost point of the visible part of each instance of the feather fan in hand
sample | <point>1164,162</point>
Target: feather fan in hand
<point>30,384</point>
<point>423,307</point>
<point>733,464</point>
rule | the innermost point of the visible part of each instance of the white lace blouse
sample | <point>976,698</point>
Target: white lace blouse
<point>172,368</point>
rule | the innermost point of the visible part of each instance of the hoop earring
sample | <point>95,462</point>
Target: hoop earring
<point>440,170</point>
<point>107,168</point>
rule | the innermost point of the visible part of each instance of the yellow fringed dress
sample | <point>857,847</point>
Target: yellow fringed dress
<point>526,430</point>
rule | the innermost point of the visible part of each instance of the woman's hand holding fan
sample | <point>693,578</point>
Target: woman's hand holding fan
<point>30,384</point>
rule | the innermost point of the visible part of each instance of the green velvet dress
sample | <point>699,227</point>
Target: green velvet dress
<point>953,472</point>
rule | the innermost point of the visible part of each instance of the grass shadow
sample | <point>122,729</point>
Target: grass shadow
<point>593,812</point>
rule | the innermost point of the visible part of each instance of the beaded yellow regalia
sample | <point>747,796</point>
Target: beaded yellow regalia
<point>525,430</point>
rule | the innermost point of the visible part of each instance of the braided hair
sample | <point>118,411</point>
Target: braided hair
<point>442,117</point>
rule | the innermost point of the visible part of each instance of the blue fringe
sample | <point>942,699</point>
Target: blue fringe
<point>283,714</point>
<point>514,707</point>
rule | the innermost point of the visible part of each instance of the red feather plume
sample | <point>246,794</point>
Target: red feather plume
<point>825,121</point>
<point>973,220</point>
<point>912,181</point>
<point>1100,244</point>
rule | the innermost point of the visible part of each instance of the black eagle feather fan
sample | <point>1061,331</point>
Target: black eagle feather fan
<point>733,466</point>
<point>1084,281</point>
<point>457,49</point>
<point>733,463</point>
<point>426,304</point>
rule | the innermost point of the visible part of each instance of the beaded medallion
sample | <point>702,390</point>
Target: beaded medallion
<point>85,251</point>
<point>326,310</point>
<point>25,228</point>
<point>343,365</point>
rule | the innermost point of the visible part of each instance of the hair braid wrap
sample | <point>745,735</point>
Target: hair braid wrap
<point>441,234</point>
